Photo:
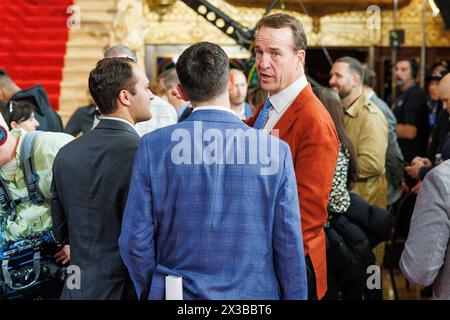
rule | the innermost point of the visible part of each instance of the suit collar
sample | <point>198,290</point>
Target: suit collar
<point>214,115</point>
<point>92,109</point>
<point>115,125</point>
<point>292,113</point>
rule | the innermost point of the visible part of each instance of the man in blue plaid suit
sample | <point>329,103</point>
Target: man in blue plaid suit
<point>212,200</point>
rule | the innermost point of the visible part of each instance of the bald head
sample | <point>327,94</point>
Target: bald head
<point>120,51</point>
<point>444,92</point>
<point>238,92</point>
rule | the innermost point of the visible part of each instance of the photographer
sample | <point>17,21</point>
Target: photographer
<point>25,207</point>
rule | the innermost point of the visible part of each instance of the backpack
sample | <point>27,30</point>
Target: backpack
<point>27,262</point>
<point>31,180</point>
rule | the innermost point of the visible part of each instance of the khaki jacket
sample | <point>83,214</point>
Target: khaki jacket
<point>367,128</point>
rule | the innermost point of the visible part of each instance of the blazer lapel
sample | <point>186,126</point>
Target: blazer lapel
<point>288,118</point>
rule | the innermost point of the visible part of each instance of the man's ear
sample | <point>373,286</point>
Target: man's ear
<point>2,95</point>
<point>357,81</point>
<point>301,54</point>
<point>124,97</point>
<point>13,124</point>
<point>180,93</point>
<point>231,82</point>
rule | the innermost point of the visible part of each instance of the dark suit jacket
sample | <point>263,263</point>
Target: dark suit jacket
<point>81,120</point>
<point>91,177</point>
<point>309,130</point>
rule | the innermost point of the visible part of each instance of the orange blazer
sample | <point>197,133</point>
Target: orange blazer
<point>310,132</point>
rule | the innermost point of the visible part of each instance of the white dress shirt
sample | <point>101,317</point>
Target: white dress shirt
<point>282,100</point>
<point>241,113</point>
<point>163,115</point>
<point>96,118</point>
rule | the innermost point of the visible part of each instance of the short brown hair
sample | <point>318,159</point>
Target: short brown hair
<point>170,78</point>
<point>203,70</point>
<point>110,76</point>
<point>282,20</point>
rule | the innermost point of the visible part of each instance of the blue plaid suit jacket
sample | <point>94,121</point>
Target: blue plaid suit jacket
<point>227,230</point>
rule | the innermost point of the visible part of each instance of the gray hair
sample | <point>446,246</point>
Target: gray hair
<point>120,51</point>
<point>169,78</point>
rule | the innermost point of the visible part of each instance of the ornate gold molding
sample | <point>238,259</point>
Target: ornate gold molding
<point>181,25</point>
<point>130,27</point>
<point>319,8</point>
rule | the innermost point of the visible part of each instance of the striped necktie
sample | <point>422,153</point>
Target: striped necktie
<point>263,115</point>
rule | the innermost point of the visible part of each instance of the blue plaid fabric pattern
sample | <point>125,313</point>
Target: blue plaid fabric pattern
<point>263,115</point>
<point>228,231</point>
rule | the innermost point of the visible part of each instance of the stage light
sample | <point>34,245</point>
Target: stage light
<point>435,10</point>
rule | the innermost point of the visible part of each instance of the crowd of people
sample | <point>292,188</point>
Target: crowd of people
<point>281,191</point>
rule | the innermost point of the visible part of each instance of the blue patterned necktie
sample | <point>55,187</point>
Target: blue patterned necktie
<point>263,115</point>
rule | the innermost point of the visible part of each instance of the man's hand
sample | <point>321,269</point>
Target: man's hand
<point>413,170</point>
<point>416,164</point>
<point>63,255</point>
<point>417,187</point>
<point>426,162</point>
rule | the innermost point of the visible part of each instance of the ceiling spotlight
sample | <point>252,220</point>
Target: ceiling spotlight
<point>434,8</point>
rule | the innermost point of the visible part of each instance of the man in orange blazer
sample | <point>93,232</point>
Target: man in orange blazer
<point>304,123</point>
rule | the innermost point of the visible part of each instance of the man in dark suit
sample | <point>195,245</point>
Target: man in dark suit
<point>91,181</point>
<point>83,120</point>
<point>304,123</point>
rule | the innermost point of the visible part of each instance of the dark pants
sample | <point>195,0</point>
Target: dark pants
<point>311,279</point>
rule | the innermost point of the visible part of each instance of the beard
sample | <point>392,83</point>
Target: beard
<point>344,93</point>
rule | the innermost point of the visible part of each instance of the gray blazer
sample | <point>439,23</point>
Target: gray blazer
<point>424,260</point>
